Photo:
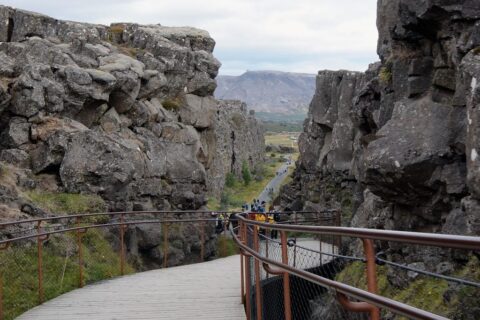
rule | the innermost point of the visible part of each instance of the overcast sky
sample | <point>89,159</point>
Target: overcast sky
<point>286,35</point>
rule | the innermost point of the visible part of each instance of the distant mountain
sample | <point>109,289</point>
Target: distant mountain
<point>269,91</point>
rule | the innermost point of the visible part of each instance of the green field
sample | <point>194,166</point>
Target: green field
<point>288,139</point>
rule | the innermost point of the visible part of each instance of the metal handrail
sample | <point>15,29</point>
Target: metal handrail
<point>127,213</point>
<point>371,300</point>
<point>429,239</point>
<point>379,301</point>
<point>98,226</point>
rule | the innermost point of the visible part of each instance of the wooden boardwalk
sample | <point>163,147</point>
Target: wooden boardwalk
<point>209,290</point>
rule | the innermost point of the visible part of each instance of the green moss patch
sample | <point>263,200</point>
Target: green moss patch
<point>67,203</point>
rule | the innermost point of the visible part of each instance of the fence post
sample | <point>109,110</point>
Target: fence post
<point>258,289</point>
<point>122,244</point>
<point>286,278</point>
<point>338,222</point>
<point>371,274</point>
<point>202,241</point>
<point>1,294</point>
<point>248,277</point>
<point>165,244</point>
<point>41,294</point>
<point>80,254</point>
<point>242,269</point>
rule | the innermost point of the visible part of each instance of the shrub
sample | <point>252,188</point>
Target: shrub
<point>114,33</point>
<point>230,180</point>
<point>247,177</point>
<point>3,170</point>
<point>238,120</point>
<point>385,74</point>
<point>172,103</point>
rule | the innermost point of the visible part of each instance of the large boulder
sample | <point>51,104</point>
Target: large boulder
<point>420,136</point>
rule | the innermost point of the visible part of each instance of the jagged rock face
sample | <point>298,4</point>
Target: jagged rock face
<point>404,148</point>
<point>120,111</point>
<point>238,138</point>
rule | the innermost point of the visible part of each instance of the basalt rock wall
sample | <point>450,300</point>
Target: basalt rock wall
<point>125,112</point>
<point>397,146</point>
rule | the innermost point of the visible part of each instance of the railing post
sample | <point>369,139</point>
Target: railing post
<point>286,278</point>
<point>371,274</point>
<point>248,278</point>
<point>80,254</point>
<point>295,247</point>
<point>266,251</point>
<point>165,244</point>
<point>258,288</point>
<point>122,244</point>
<point>242,279</point>
<point>202,241</point>
<point>41,294</point>
<point>338,223</point>
<point>224,242</point>
<point>1,294</point>
<point>242,269</point>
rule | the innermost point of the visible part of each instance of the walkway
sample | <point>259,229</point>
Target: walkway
<point>209,290</point>
<point>276,182</point>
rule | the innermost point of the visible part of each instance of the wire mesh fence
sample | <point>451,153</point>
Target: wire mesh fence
<point>443,281</point>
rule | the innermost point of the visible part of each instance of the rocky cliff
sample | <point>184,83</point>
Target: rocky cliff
<point>238,138</point>
<point>397,147</point>
<point>125,112</point>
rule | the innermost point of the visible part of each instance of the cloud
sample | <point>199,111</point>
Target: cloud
<point>301,35</point>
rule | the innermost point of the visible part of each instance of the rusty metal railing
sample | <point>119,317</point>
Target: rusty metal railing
<point>368,301</point>
<point>25,240</point>
<point>32,235</point>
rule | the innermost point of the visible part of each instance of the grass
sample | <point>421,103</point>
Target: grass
<point>67,203</point>
<point>281,139</point>
<point>60,269</point>
<point>226,247</point>
<point>3,170</point>
<point>18,264</point>
<point>280,127</point>
<point>424,292</point>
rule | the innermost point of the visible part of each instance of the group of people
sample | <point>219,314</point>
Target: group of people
<point>255,206</point>
<point>257,211</point>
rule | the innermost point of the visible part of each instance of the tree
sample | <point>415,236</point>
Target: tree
<point>247,177</point>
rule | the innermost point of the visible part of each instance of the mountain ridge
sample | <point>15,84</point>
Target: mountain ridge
<point>269,90</point>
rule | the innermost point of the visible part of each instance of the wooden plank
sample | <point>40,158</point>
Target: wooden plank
<point>209,290</point>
